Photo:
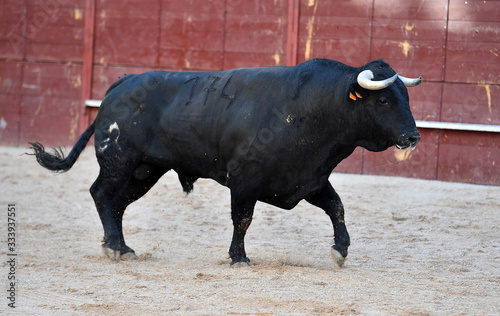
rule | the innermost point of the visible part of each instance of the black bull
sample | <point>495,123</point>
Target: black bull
<point>271,134</point>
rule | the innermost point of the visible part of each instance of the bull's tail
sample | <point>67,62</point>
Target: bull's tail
<point>56,161</point>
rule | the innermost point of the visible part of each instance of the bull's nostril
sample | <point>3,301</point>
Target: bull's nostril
<point>413,140</point>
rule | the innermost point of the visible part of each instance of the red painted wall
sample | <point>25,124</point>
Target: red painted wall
<point>41,47</point>
<point>51,59</point>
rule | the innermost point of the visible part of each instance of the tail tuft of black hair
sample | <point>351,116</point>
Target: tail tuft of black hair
<point>56,160</point>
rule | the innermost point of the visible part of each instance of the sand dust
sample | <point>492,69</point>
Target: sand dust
<point>418,248</point>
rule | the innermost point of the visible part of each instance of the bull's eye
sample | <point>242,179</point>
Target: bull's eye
<point>383,101</point>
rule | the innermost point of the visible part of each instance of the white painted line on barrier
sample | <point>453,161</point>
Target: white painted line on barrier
<point>459,126</point>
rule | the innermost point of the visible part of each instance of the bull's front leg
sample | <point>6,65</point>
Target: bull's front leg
<point>241,212</point>
<point>328,200</point>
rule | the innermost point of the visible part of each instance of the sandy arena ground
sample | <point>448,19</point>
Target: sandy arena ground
<point>418,248</point>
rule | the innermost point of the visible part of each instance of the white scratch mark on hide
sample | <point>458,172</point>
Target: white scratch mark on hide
<point>105,143</point>
<point>112,127</point>
<point>102,148</point>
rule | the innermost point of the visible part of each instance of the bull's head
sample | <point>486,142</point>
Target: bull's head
<point>382,104</point>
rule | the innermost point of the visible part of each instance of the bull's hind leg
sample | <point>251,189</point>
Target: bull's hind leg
<point>112,195</point>
<point>328,200</point>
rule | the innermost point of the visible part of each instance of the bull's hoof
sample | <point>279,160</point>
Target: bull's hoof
<point>128,256</point>
<point>113,255</point>
<point>337,257</point>
<point>241,262</point>
<point>116,255</point>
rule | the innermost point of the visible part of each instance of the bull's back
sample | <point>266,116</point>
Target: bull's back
<point>191,121</point>
<point>210,118</point>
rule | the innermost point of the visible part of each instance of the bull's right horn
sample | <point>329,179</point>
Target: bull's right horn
<point>365,80</point>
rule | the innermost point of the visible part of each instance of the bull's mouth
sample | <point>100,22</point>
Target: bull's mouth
<point>403,147</point>
<point>408,141</point>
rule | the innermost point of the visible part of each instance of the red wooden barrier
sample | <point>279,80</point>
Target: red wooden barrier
<point>55,54</point>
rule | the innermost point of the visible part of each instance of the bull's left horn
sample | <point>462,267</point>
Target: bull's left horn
<point>410,82</point>
<point>365,80</point>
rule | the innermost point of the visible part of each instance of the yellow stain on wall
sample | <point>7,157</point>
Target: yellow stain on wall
<point>75,118</point>
<point>420,6</point>
<point>37,111</point>
<point>407,28</point>
<point>78,14</point>
<point>276,58</point>
<point>186,20</point>
<point>76,81</point>
<point>488,93</point>
<point>310,26</point>
<point>405,47</point>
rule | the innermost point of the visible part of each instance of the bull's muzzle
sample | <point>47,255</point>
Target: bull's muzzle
<point>408,140</point>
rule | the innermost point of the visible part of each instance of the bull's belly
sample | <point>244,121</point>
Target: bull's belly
<point>292,194</point>
<point>281,189</point>
<point>284,202</point>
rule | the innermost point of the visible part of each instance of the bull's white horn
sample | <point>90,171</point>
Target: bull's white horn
<point>365,80</point>
<point>411,82</point>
